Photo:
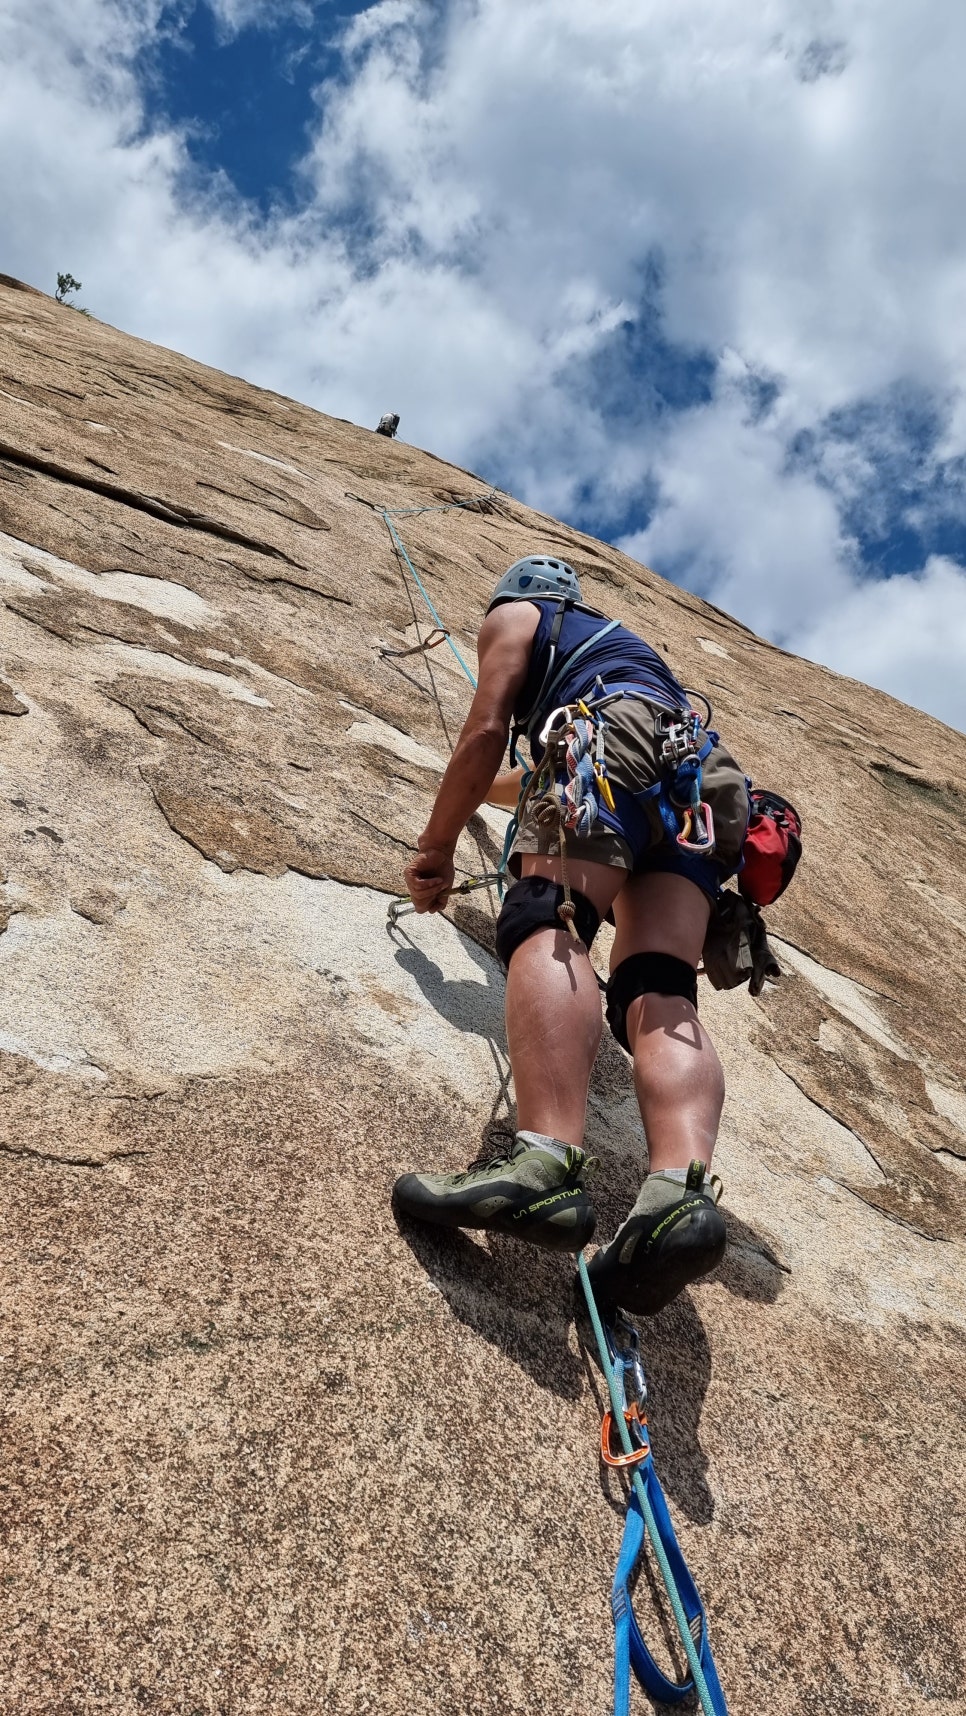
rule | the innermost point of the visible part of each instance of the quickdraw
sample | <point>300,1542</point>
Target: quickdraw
<point>567,784</point>
<point>401,907</point>
<point>647,1513</point>
<point>437,636</point>
<point>685,815</point>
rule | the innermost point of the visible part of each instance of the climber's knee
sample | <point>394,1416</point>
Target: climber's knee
<point>647,974</point>
<point>531,905</point>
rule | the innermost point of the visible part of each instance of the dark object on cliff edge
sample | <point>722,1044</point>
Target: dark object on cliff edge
<point>388,424</point>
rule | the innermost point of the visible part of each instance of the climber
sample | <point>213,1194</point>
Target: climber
<point>644,845</point>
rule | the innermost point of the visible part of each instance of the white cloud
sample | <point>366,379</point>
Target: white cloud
<point>485,188</point>
<point>732,522</point>
<point>233,16</point>
<point>904,635</point>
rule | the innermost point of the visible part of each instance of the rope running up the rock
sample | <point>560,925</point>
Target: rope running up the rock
<point>388,513</point>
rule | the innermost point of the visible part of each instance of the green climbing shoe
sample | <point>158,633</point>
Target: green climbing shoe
<point>530,1193</point>
<point>673,1235</point>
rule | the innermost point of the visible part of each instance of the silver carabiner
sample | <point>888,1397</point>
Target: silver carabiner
<point>629,1355</point>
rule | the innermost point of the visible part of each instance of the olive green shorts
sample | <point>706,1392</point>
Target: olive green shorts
<point>632,836</point>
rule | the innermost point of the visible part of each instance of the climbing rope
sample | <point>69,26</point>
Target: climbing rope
<point>401,549</point>
<point>647,1510</point>
<point>387,514</point>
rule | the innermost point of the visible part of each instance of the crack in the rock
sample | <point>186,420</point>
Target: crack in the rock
<point>947,1150</point>
<point>296,584</point>
<point>833,1116</point>
<point>764,1252</point>
<point>133,1096</point>
<point>405,844</point>
<point>173,825</point>
<point>880,994</point>
<point>168,511</point>
<point>24,1150</point>
<point>34,620</point>
<point>891,1215</point>
<point>156,709</point>
<point>314,521</point>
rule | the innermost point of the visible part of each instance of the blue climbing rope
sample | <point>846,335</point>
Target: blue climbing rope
<point>647,1510</point>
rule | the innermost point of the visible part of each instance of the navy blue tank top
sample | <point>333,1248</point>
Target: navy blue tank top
<point>621,659</point>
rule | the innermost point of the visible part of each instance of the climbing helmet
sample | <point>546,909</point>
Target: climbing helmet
<point>535,576</point>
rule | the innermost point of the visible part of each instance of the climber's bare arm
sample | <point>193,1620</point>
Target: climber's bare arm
<point>505,791</point>
<point>504,644</point>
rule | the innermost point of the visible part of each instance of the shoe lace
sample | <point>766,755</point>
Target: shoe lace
<point>482,1161</point>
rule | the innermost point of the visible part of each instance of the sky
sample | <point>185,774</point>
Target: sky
<point>689,276</point>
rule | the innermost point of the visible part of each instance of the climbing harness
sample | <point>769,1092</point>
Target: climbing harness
<point>647,1513</point>
<point>570,780</point>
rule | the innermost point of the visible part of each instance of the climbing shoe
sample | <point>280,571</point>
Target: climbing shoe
<point>529,1192</point>
<point>673,1235</point>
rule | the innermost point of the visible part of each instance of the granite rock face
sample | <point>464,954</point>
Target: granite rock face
<point>263,1451</point>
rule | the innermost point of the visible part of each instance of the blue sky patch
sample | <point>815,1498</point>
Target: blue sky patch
<point>897,499</point>
<point>246,101</point>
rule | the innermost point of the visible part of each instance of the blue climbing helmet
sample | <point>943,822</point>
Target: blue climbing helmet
<point>536,576</point>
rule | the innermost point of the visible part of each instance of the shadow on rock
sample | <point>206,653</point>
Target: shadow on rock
<point>753,1266</point>
<point>517,1297</point>
<point>677,1362</point>
<point>469,1006</point>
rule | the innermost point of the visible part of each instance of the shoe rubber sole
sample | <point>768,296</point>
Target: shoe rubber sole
<point>561,1220</point>
<point>669,1254</point>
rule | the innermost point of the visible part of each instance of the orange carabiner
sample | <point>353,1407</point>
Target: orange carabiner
<point>632,1416</point>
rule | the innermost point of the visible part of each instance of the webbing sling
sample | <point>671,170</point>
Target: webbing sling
<point>647,1508</point>
<point>630,1651</point>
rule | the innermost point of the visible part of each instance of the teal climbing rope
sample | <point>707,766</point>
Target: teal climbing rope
<point>703,1673</point>
<point>388,513</point>
<point>401,548</point>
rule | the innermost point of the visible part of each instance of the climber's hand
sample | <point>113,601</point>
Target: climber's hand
<point>429,879</point>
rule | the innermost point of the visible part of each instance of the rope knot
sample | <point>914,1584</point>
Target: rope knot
<point>567,911</point>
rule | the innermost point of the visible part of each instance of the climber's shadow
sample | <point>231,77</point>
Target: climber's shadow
<point>752,1268</point>
<point>516,1296</point>
<point>469,1006</point>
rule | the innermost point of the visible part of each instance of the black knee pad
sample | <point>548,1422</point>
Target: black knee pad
<point>532,905</point>
<point>647,974</point>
